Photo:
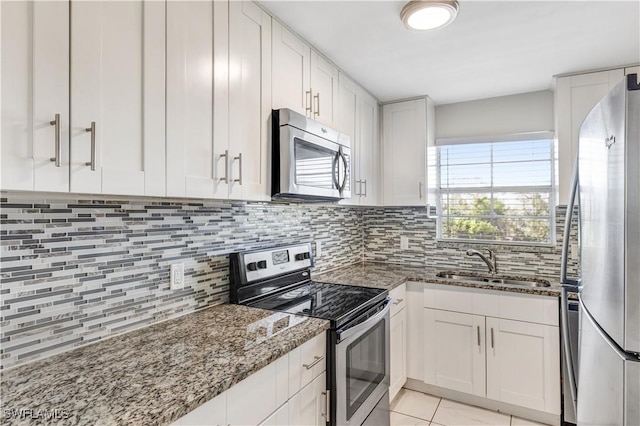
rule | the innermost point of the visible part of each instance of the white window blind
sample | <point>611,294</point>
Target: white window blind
<point>496,191</point>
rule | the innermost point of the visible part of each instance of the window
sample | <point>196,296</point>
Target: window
<point>496,191</point>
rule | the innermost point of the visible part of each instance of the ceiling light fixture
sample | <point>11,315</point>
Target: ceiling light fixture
<point>429,14</point>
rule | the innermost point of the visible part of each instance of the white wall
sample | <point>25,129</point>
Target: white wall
<point>522,113</point>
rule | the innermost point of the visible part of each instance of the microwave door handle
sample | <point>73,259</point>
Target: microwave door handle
<point>346,170</point>
<point>336,171</point>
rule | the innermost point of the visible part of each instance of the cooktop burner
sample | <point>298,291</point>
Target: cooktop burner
<point>320,300</point>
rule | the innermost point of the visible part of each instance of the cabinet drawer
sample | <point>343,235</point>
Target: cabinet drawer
<point>498,304</point>
<point>398,299</point>
<point>266,389</point>
<point>307,362</point>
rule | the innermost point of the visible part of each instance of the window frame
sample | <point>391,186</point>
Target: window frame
<point>552,189</point>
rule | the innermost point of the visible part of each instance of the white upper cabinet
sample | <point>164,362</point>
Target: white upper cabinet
<point>35,90</point>
<point>575,97</point>
<point>291,71</point>
<point>324,87</point>
<point>249,100</point>
<point>369,149</point>
<point>358,117</point>
<point>404,151</point>
<point>303,80</point>
<point>198,161</point>
<point>117,97</point>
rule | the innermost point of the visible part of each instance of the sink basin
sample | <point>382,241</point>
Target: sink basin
<point>494,280</point>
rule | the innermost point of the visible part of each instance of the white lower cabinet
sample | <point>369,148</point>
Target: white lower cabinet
<point>398,340</point>
<point>496,345</point>
<point>523,364</point>
<point>308,407</point>
<point>265,397</point>
<point>279,418</point>
<point>454,354</point>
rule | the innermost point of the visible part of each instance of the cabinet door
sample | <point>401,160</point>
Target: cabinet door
<point>308,407</point>
<point>523,364</point>
<point>197,99</point>
<point>35,87</point>
<point>369,148</point>
<point>324,85</point>
<point>398,348</point>
<point>118,83</point>
<point>404,153</point>
<point>348,121</point>
<point>279,418</point>
<point>291,71</point>
<point>454,351</point>
<point>249,99</point>
<point>575,98</point>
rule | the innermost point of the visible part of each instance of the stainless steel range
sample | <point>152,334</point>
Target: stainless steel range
<point>358,339</point>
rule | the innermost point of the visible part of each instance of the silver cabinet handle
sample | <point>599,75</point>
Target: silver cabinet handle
<point>239,158</point>
<point>92,129</point>
<point>359,193</point>
<point>478,336</point>
<point>317,360</point>
<point>420,190</point>
<point>308,102</point>
<point>225,179</point>
<point>492,337</point>
<point>58,148</point>
<point>317,98</point>
<point>365,188</point>
<point>398,301</point>
<point>327,402</point>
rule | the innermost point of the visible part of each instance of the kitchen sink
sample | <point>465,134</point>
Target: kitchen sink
<point>533,282</point>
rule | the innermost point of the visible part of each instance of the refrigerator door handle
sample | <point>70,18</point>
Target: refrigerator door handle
<point>567,229</point>
<point>566,344</point>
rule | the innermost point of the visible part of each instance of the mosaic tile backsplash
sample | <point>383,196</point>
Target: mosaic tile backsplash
<point>384,226</point>
<point>77,270</point>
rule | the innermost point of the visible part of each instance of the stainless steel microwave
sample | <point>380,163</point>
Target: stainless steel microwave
<point>309,161</point>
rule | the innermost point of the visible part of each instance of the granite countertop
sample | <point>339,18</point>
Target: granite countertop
<point>157,374</point>
<point>391,275</point>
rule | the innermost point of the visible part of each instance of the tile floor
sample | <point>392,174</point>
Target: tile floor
<point>416,408</point>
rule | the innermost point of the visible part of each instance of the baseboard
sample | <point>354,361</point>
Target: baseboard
<point>489,404</point>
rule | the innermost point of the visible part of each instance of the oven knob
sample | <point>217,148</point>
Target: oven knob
<point>252,266</point>
<point>262,264</point>
<point>300,256</point>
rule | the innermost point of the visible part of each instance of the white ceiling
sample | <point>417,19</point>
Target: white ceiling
<point>493,48</point>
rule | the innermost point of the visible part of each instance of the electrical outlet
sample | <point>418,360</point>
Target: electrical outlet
<point>318,249</point>
<point>404,242</point>
<point>177,276</point>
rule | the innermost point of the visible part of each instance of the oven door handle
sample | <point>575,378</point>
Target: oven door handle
<point>350,332</point>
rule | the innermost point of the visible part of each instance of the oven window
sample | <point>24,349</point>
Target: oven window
<point>314,165</point>
<point>365,366</point>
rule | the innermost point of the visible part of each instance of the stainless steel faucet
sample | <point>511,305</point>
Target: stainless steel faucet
<point>492,261</point>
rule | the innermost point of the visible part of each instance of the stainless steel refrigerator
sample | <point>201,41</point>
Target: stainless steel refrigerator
<point>608,185</point>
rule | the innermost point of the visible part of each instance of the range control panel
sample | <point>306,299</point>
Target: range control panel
<point>261,264</point>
